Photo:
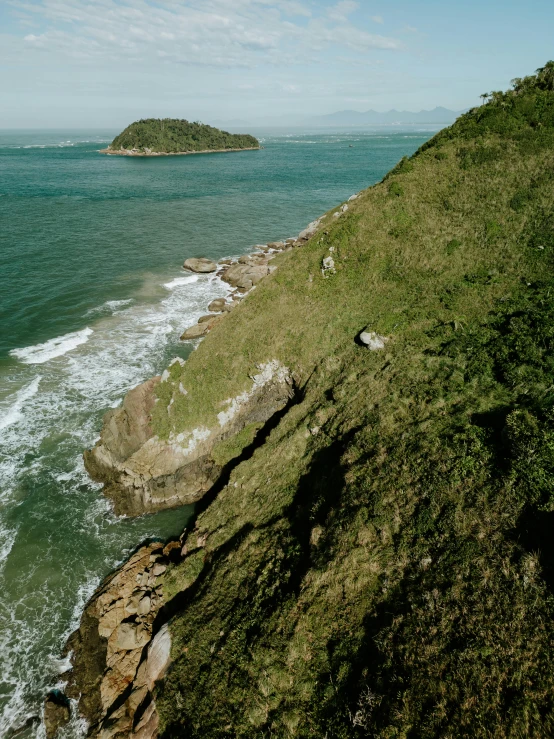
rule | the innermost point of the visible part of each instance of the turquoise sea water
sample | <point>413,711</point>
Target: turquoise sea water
<point>92,302</point>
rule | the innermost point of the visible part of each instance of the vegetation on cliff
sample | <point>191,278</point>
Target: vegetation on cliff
<point>377,559</point>
<point>168,135</point>
<point>380,563</point>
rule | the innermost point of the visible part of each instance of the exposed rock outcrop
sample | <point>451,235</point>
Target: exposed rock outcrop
<point>56,712</point>
<point>310,229</point>
<point>373,341</point>
<point>245,275</point>
<point>217,305</point>
<point>144,473</point>
<point>204,326</point>
<point>201,265</point>
<point>124,431</point>
<point>116,660</point>
<point>196,331</point>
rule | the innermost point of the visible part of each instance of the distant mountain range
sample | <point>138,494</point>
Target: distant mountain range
<point>356,118</point>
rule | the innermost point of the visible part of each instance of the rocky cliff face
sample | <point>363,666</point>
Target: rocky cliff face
<point>143,473</point>
<point>123,644</point>
<point>379,563</point>
<point>116,654</point>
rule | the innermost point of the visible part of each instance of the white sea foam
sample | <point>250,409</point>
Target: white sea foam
<point>12,413</point>
<point>180,281</point>
<point>52,419</point>
<point>110,306</point>
<point>116,304</point>
<point>53,348</point>
<point>57,144</point>
<point>7,536</point>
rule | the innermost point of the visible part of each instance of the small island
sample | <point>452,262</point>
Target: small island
<point>167,136</point>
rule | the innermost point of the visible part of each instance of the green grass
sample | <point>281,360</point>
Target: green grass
<point>382,565</point>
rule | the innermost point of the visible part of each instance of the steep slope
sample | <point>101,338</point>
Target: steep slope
<point>375,559</point>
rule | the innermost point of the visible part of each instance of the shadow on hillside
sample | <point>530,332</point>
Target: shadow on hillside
<point>535,533</point>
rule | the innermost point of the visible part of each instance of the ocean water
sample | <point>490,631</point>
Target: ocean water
<point>92,302</point>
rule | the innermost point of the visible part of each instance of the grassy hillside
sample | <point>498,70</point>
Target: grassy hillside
<point>381,561</point>
<point>171,135</point>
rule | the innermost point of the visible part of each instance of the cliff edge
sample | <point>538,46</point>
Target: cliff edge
<point>375,558</point>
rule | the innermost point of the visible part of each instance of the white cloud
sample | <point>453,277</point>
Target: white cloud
<point>349,36</point>
<point>294,8</point>
<point>229,33</point>
<point>377,18</point>
<point>342,10</point>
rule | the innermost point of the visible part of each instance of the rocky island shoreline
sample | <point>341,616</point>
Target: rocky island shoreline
<point>155,137</point>
<point>149,153</point>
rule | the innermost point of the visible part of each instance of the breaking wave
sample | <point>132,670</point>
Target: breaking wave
<point>51,349</point>
<point>45,425</point>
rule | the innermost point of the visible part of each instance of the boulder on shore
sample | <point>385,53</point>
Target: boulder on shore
<point>56,712</point>
<point>253,260</point>
<point>310,230</point>
<point>195,332</point>
<point>200,265</point>
<point>244,276</point>
<point>217,305</point>
<point>205,324</point>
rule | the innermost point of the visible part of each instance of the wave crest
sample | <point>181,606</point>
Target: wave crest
<point>53,348</point>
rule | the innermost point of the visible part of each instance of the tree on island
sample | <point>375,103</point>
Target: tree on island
<point>169,135</point>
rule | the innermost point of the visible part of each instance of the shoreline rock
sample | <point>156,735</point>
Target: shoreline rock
<point>201,265</point>
<point>217,305</point>
<point>57,712</point>
<point>115,656</point>
<point>201,328</point>
<point>137,153</point>
<point>143,473</point>
<point>124,431</point>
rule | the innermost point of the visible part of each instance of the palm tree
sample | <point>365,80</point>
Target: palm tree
<point>545,75</point>
<point>484,97</point>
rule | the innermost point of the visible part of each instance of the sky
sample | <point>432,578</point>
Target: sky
<point>104,63</point>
